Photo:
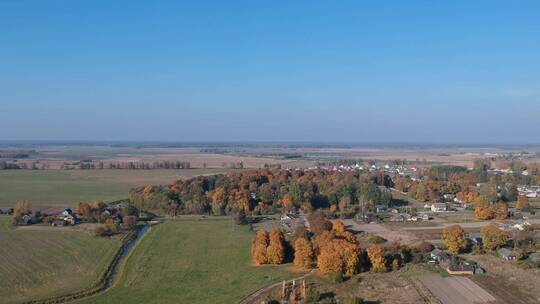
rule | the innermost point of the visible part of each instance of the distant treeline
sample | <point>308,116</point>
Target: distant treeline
<point>98,165</point>
<point>138,165</point>
<point>14,154</point>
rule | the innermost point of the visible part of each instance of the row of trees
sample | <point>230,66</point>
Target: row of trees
<point>131,165</point>
<point>334,251</point>
<point>262,190</point>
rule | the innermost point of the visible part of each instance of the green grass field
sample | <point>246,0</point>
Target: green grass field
<point>63,188</point>
<point>37,264</point>
<point>190,261</point>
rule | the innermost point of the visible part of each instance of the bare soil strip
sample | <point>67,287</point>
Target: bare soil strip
<point>456,290</point>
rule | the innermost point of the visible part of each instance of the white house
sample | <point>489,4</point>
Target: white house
<point>438,207</point>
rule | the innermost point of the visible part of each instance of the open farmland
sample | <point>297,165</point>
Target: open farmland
<point>191,261</point>
<point>62,188</point>
<point>39,264</point>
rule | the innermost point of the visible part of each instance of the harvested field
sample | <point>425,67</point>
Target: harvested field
<point>401,236</point>
<point>507,281</point>
<point>434,233</point>
<point>456,290</point>
<point>395,287</point>
<point>53,157</point>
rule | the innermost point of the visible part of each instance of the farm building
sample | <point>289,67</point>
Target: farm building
<point>507,254</point>
<point>460,269</point>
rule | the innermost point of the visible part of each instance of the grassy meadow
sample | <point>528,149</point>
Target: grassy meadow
<point>64,188</point>
<point>191,261</point>
<point>37,264</point>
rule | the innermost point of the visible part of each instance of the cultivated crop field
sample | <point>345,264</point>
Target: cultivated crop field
<point>63,188</point>
<point>191,261</point>
<point>40,264</point>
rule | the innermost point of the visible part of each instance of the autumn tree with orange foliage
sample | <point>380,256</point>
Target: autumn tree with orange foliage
<point>329,260</point>
<point>484,212</point>
<point>493,237</point>
<point>376,257</point>
<point>287,203</point>
<point>500,211</point>
<point>453,238</point>
<point>338,227</point>
<point>337,253</point>
<point>240,200</point>
<point>218,197</point>
<point>276,248</point>
<point>303,253</point>
<point>466,197</point>
<point>83,210</point>
<point>522,203</point>
<point>259,247</point>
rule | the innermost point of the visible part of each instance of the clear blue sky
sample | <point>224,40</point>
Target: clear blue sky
<point>362,71</point>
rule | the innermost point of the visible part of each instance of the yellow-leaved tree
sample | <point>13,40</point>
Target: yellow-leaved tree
<point>493,237</point>
<point>276,248</point>
<point>258,247</point>
<point>454,238</point>
<point>303,253</point>
<point>376,257</point>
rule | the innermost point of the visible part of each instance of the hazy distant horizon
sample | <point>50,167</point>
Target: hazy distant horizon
<point>291,144</point>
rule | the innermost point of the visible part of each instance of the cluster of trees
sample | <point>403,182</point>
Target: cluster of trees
<point>333,250</point>
<point>337,252</point>
<point>485,210</point>
<point>264,190</point>
<point>98,211</point>
<point>454,238</point>
<point>268,248</point>
<point>111,220</point>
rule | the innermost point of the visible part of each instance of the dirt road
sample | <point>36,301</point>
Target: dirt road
<point>411,235</point>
